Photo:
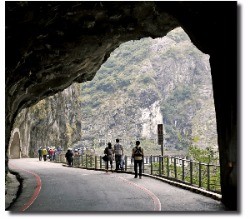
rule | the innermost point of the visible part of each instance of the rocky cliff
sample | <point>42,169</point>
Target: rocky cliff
<point>54,121</point>
<point>143,83</point>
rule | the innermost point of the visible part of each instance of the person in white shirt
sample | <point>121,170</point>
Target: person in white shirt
<point>118,150</point>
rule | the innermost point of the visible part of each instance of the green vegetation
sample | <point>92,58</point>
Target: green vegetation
<point>176,113</point>
<point>200,174</point>
<point>203,155</point>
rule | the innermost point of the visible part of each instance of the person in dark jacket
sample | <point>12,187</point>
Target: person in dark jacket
<point>40,153</point>
<point>69,157</point>
<point>138,155</point>
<point>109,151</point>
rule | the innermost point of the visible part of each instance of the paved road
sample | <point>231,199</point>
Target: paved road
<point>52,187</point>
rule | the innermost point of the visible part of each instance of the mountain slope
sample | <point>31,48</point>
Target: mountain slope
<point>165,80</point>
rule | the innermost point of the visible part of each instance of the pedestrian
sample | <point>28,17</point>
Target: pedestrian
<point>118,149</point>
<point>109,151</point>
<point>51,154</point>
<point>69,157</point>
<point>138,154</point>
<point>44,153</point>
<point>40,153</point>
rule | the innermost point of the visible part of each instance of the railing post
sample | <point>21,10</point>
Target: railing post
<point>183,169</point>
<point>175,169</point>
<point>199,174</point>
<point>86,161</point>
<point>100,162</point>
<point>167,166</point>
<point>160,165</point>
<point>91,160</point>
<point>81,159</point>
<point>95,162</point>
<point>151,164</point>
<point>191,172</point>
<point>208,177</point>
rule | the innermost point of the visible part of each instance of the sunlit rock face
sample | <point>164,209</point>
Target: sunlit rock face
<point>51,44</point>
<point>150,117</point>
<point>54,121</point>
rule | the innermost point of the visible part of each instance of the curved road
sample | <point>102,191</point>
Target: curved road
<point>52,187</point>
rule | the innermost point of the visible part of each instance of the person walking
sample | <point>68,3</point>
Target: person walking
<point>137,155</point>
<point>109,151</point>
<point>40,153</point>
<point>44,153</point>
<point>118,149</point>
<point>69,157</point>
<point>51,154</point>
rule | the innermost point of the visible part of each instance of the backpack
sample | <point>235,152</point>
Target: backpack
<point>138,151</point>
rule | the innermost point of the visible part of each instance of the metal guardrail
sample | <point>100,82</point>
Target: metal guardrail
<point>202,175</point>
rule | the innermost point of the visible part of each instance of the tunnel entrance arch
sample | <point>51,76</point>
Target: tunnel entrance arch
<point>15,145</point>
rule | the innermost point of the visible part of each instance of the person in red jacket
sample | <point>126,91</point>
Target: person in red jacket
<point>51,154</point>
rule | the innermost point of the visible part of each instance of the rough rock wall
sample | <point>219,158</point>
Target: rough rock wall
<point>54,121</point>
<point>150,117</point>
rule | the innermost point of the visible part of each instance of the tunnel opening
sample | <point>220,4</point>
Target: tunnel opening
<point>15,146</point>
<point>143,83</point>
<point>171,74</point>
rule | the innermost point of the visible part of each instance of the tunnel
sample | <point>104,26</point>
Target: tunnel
<point>50,45</point>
